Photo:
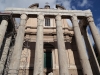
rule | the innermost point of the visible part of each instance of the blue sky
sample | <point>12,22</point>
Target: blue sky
<point>93,5</point>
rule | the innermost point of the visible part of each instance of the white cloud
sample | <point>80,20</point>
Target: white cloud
<point>98,19</point>
<point>24,3</point>
<point>65,3</point>
<point>73,7</point>
<point>84,2</point>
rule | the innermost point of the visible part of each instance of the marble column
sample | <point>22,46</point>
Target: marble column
<point>81,48</point>
<point>16,55</point>
<point>92,57</point>
<point>9,57</point>
<point>3,27</point>
<point>4,54</point>
<point>63,65</point>
<point>95,33</point>
<point>39,53</point>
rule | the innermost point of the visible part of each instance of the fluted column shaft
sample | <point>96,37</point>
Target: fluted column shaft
<point>4,54</point>
<point>81,48</point>
<point>95,33</point>
<point>15,60</point>
<point>3,28</point>
<point>63,65</point>
<point>39,55</point>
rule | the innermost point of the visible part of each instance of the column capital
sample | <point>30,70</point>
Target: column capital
<point>40,16</point>
<point>58,17</point>
<point>74,20</point>
<point>90,19</point>
<point>23,17</point>
<point>74,17</point>
<point>40,19</point>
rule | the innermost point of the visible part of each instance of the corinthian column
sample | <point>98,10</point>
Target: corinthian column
<point>38,63</point>
<point>4,54</point>
<point>15,60</point>
<point>81,48</point>
<point>95,32</point>
<point>92,57</point>
<point>3,28</point>
<point>63,65</point>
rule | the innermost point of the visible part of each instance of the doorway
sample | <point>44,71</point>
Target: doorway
<point>48,62</point>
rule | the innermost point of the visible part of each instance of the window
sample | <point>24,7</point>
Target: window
<point>47,21</point>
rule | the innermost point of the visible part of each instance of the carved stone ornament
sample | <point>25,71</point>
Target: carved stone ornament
<point>74,17</point>
<point>23,16</point>
<point>90,19</point>
<point>58,17</point>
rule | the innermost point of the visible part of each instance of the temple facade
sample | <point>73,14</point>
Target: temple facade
<point>44,43</point>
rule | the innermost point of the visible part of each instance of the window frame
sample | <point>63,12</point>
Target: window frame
<point>47,22</point>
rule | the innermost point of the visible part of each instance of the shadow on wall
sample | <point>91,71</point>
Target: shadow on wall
<point>48,59</point>
<point>27,58</point>
<point>29,49</point>
<point>72,46</point>
<point>48,47</point>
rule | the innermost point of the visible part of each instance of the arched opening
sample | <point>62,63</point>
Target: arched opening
<point>48,62</point>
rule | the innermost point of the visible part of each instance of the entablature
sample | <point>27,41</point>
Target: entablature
<point>52,12</point>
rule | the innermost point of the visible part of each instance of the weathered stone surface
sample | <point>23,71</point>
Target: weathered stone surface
<point>63,65</point>
<point>49,11</point>
<point>81,48</point>
<point>66,51</point>
<point>3,28</point>
<point>4,54</point>
<point>92,57</point>
<point>39,53</point>
<point>95,33</point>
<point>15,60</point>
